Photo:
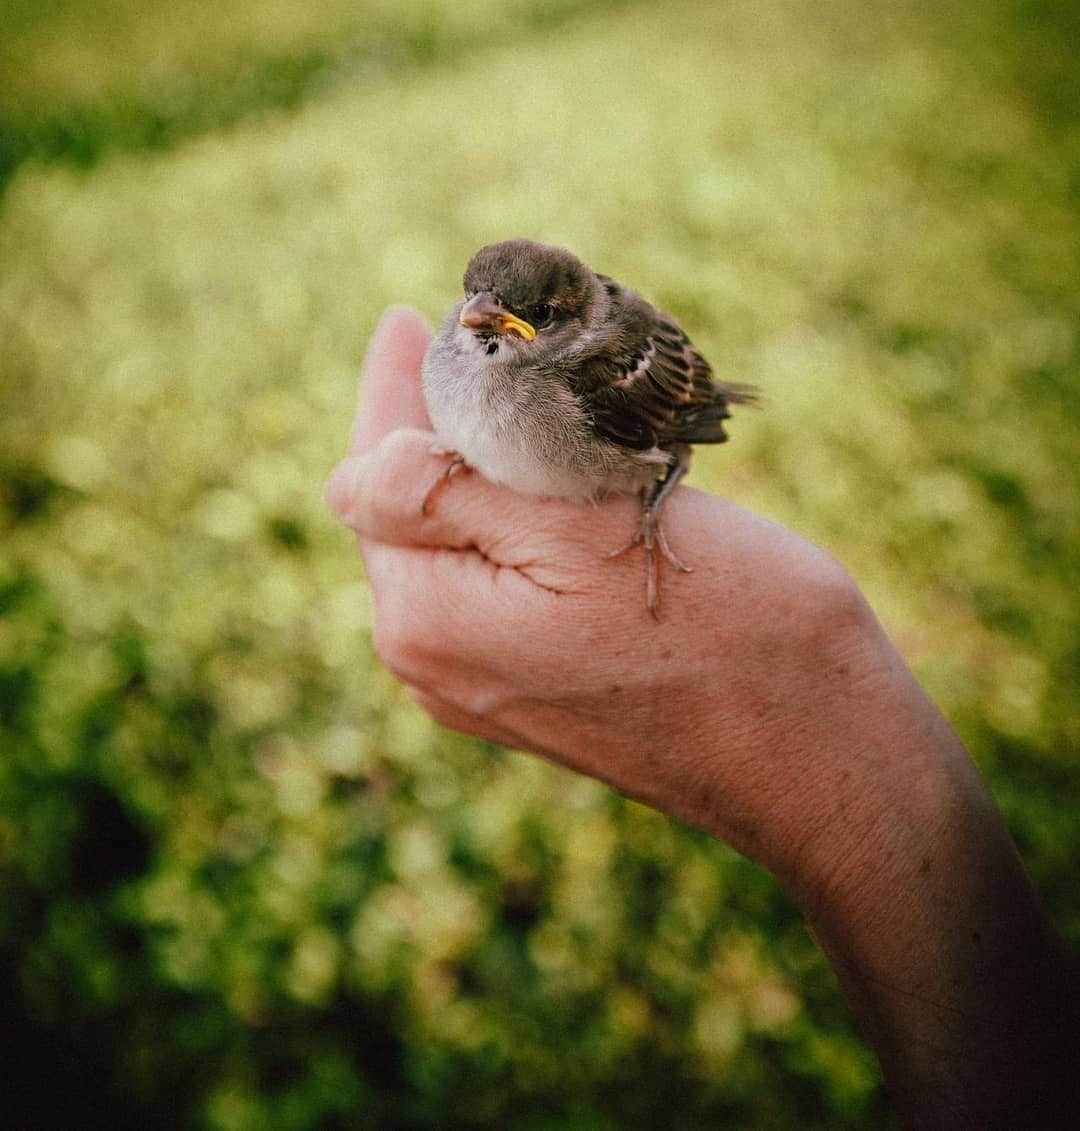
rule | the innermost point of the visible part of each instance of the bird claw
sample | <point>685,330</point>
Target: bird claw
<point>457,464</point>
<point>651,533</point>
<point>665,549</point>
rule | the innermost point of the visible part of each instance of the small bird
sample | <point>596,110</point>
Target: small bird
<point>556,381</point>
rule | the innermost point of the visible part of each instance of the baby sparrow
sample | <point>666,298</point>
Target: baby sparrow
<point>556,381</point>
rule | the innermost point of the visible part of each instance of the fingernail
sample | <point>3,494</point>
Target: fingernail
<point>341,488</point>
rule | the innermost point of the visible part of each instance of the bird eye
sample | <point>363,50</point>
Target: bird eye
<point>542,315</point>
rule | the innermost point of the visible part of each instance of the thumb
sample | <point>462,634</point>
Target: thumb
<point>392,397</point>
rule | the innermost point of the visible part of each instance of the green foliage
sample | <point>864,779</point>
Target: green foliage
<point>245,883</point>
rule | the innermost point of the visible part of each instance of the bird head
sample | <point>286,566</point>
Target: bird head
<point>525,290</point>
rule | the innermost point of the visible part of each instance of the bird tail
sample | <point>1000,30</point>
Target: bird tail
<point>705,425</point>
<point>733,392</point>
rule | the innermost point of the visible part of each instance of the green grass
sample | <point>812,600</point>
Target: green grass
<point>78,81</point>
<point>246,884</point>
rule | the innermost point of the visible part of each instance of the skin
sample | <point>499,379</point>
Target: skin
<point>767,707</point>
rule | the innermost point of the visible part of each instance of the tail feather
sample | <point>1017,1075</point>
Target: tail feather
<point>705,424</point>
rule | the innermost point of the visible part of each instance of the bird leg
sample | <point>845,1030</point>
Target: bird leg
<point>651,533</point>
<point>456,465</point>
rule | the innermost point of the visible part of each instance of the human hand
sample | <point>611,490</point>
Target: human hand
<point>506,620</point>
<point>767,707</point>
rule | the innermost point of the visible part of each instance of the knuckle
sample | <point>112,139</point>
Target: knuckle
<point>385,489</point>
<point>405,450</point>
<point>398,648</point>
<point>391,487</point>
<point>839,614</point>
<point>437,709</point>
<point>482,701</point>
<point>402,447</point>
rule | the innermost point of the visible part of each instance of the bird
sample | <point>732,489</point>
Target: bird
<point>557,381</point>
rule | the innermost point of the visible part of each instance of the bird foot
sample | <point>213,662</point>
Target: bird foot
<point>651,533</point>
<point>456,465</point>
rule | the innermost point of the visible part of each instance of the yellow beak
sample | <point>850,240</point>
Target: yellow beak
<point>485,313</point>
<point>512,324</point>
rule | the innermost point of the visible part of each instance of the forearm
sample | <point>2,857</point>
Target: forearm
<point>783,723</point>
<point>924,910</point>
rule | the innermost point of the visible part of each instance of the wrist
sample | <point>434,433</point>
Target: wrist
<point>843,749</point>
<point>913,888</point>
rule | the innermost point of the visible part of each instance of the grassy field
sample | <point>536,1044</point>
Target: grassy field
<point>246,884</point>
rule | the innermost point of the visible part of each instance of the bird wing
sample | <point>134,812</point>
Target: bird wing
<point>650,387</point>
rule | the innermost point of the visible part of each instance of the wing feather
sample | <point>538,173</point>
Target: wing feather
<point>653,389</point>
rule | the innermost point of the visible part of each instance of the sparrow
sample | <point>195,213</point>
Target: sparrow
<point>557,381</point>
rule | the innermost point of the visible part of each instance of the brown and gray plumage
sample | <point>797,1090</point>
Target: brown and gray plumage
<point>556,381</point>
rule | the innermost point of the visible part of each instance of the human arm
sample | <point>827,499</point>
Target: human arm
<point>767,707</point>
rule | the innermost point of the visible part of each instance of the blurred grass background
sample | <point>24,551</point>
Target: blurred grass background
<point>245,883</point>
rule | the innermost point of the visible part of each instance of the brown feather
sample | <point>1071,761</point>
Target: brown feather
<point>653,389</point>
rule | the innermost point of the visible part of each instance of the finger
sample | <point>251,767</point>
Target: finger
<point>381,496</point>
<point>402,582</point>
<point>426,629</point>
<point>391,393</point>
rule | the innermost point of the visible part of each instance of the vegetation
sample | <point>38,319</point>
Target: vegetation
<point>246,884</point>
